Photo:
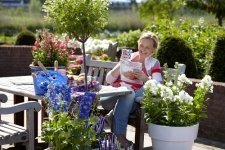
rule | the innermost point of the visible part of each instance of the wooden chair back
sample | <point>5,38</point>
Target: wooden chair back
<point>112,50</point>
<point>98,69</point>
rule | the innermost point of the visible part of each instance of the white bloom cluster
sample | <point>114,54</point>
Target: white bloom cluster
<point>206,83</point>
<point>93,45</point>
<point>170,91</point>
<point>183,79</point>
<point>165,92</point>
<point>184,96</point>
<point>153,86</point>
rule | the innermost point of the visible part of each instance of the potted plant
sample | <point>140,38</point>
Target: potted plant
<point>49,48</point>
<point>71,123</point>
<point>172,114</point>
<point>78,18</point>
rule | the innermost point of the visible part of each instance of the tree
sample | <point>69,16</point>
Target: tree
<point>78,18</point>
<point>216,7</point>
<point>160,8</point>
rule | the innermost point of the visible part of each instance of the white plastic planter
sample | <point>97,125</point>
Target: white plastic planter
<point>172,138</point>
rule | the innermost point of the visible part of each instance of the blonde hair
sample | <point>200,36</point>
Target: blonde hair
<point>152,36</point>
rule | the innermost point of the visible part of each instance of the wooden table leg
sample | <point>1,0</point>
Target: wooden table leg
<point>35,121</point>
<point>19,117</point>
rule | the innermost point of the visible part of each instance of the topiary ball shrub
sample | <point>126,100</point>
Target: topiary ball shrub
<point>174,49</point>
<point>25,38</point>
<point>217,66</point>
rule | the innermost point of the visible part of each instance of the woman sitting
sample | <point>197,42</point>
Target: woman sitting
<point>122,106</point>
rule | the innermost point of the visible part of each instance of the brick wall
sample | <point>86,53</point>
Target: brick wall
<point>15,60</point>
<point>213,127</point>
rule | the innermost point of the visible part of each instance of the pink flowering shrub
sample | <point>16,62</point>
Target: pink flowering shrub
<point>49,48</point>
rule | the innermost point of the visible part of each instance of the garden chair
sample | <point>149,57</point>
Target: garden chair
<point>11,133</point>
<point>112,50</point>
<point>99,69</point>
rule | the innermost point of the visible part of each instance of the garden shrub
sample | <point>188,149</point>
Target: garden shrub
<point>9,30</point>
<point>199,35</point>
<point>129,39</point>
<point>217,66</point>
<point>25,38</point>
<point>174,49</point>
<point>34,27</point>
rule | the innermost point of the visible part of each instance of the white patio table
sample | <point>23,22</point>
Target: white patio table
<point>22,86</point>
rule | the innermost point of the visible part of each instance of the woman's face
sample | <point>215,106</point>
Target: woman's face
<point>145,48</point>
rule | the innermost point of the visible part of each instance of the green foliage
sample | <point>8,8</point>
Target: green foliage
<point>129,39</point>
<point>34,6</point>
<point>68,133</point>
<point>15,20</point>
<point>124,20</point>
<point>119,20</point>
<point>170,105</point>
<point>10,30</point>
<point>216,7</point>
<point>175,49</point>
<point>217,67</point>
<point>25,38</point>
<point>200,36</point>
<point>159,8</point>
<point>78,18</point>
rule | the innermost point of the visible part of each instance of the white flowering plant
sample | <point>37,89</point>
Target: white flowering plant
<point>170,105</point>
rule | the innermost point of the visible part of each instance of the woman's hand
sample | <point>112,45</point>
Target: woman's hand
<point>139,74</point>
<point>130,75</point>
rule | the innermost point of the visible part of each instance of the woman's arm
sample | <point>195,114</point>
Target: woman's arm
<point>156,72</point>
<point>113,74</point>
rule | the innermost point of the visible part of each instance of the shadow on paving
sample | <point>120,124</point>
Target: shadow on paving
<point>38,146</point>
<point>212,143</point>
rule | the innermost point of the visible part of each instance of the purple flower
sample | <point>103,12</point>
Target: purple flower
<point>86,105</point>
<point>58,96</point>
<point>100,125</point>
<point>109,143</point>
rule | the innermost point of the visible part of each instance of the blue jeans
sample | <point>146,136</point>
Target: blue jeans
<point>122,106</point>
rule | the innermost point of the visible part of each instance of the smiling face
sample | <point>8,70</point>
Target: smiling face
<point>146,48</point>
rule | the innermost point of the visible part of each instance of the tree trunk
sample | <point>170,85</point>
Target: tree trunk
<point>85,67</point>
